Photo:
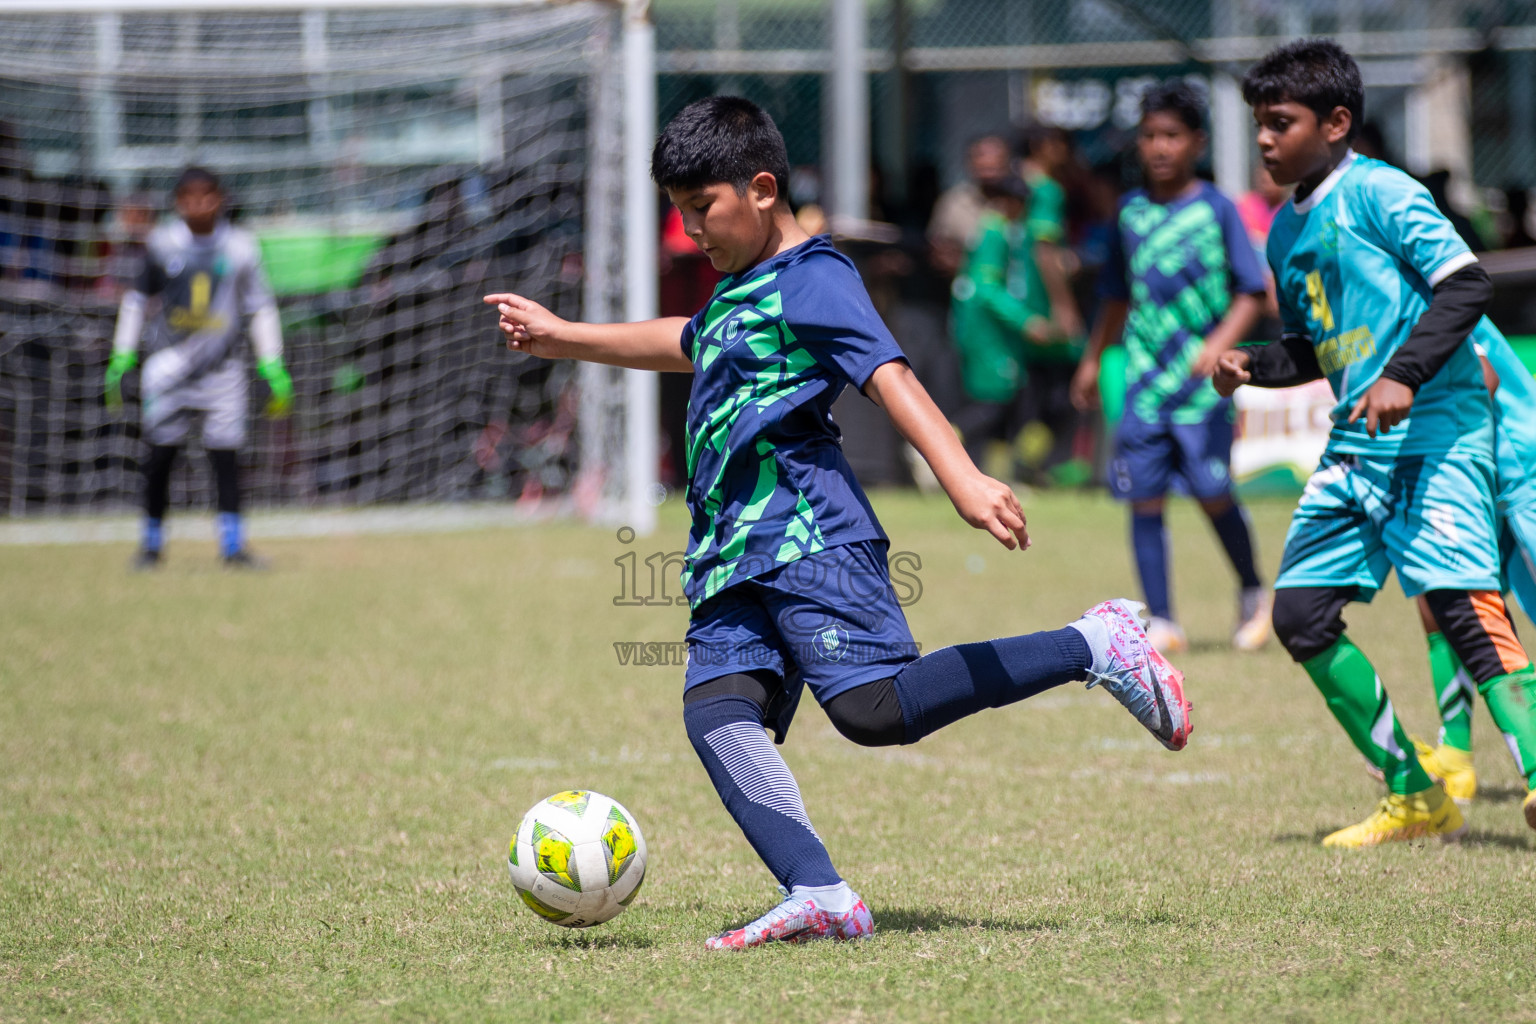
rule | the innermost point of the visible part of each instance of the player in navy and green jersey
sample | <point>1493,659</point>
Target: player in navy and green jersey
<point>1514,411</point>
<point>786,568</point>
<point>1184,284</point>
<point>1378,295</point>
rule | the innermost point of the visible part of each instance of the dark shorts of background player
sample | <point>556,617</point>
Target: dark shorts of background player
<point>1150,459</point>
<point>830,621</point>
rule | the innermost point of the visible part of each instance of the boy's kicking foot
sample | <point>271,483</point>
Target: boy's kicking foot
<point>1127,665</point>
<point>800,920</point>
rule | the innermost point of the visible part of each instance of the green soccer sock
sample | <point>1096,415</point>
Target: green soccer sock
<point>1454,691</point>
<point>1355,695</point>
<point>1512,703</point>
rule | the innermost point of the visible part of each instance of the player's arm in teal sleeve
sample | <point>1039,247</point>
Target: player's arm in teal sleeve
<point>1458,303</point>
<point>647,345</point>
<point>125,345</point>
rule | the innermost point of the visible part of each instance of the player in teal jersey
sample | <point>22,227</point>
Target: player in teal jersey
<point>1514,408</point>
<point>786,570</point>
<point>1378,295</point>
<point>1183,285</point>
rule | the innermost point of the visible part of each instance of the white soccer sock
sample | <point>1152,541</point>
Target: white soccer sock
<point>835,899</point>
<point>1097,634</point>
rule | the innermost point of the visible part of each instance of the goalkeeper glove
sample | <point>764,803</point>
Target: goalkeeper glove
<point>120,363</point>
<point>271,369</point>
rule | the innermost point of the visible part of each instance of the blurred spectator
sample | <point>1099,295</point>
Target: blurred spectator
<point>1257,208</point>
<point>1047,156</point>
<point>1438,182</point>
<point>999,305</point>
<point>957,214</point>
<point>1368,141</point>
<point>1517,233</point>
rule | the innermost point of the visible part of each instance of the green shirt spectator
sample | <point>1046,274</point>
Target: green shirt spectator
<point>1000,306</point>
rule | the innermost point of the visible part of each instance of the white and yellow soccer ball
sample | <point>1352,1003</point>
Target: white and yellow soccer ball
<point>578,859</point>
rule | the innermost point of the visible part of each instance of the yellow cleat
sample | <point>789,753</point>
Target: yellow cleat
<point>1450,767</point>
<point>1399,817</point>
<point>1530,808</point>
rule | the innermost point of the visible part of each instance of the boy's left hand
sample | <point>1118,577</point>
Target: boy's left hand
<point>1384,406</point>
<point>991,505</point>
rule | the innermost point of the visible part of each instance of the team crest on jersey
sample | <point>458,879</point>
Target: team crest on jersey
<point>831,643</point>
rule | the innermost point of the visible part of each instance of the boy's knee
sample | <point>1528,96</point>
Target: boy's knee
<point>869,715</point>
<point>1477,625</point>
<point>1147,507</point>
<point>739,697</point>
<point>1217,507</point>
<point>1307,620</point>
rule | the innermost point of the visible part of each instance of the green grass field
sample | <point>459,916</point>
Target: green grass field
<point>288,797</point>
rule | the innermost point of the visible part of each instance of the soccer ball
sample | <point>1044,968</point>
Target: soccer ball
<point>578,859</point>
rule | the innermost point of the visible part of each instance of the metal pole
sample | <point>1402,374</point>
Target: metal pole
<point>1231,129</point>
<point>641,240</point>
<point>850,111</point>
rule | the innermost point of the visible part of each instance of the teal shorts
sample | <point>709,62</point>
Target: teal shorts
<point>1517,545</point>
<point>1429,517</point>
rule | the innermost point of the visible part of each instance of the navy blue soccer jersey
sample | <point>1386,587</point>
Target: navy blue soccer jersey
<point>1177,264</point>
<point>767,479</point>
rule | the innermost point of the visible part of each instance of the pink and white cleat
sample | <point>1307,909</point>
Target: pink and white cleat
<point>1140,678</point>
<point>797,921</point>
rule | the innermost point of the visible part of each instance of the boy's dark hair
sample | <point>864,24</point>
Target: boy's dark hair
<point>197,176</point>
<point>720,139</point>
<point>1317,73</point>
<point>1176,97</point>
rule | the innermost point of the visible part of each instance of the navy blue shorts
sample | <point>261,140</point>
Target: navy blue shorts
<point>829,620</point>
<point>1150,459</point>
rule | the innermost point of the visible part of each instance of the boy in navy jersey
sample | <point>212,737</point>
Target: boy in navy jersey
<point>786,568</point>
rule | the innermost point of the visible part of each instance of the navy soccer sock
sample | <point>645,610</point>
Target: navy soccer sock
<point>955,682</point>
<point>757,788</point>
<point>1232,529</point>
<point>1150,542</point>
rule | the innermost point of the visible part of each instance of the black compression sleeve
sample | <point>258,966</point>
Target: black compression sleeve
<point>1284,363</point>
<point>1458,304</point>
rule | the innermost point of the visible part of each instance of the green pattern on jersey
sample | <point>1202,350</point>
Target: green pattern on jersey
<point>1169,243</point>
<point>758,325</point>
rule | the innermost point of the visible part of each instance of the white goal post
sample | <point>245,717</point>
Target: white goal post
<point>538,127</point>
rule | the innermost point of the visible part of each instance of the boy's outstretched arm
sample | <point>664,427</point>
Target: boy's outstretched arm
<point>647,345</point>
<point>985,503</point>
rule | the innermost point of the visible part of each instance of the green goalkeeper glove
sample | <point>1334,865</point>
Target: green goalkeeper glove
<point>271,369</point>
<point>119,364</point>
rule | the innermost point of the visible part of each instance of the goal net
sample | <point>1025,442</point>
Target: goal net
<point>395,163</point>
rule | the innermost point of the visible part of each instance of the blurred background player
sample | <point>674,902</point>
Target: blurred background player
<point>1049,359</point>
<point>1514,412</point>
<point>1184,285</point>
<point>1379,294</point>
<point>206,277</point>
<point>999,308</point>
<point>957,215</point>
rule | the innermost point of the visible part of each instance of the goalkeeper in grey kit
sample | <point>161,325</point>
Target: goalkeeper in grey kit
<point>207,279</point>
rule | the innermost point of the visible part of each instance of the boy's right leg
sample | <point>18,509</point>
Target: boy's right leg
<point>1140,470</point>
<point>157,497</point>
<point>725,722</point>
<point>1308,623</point>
